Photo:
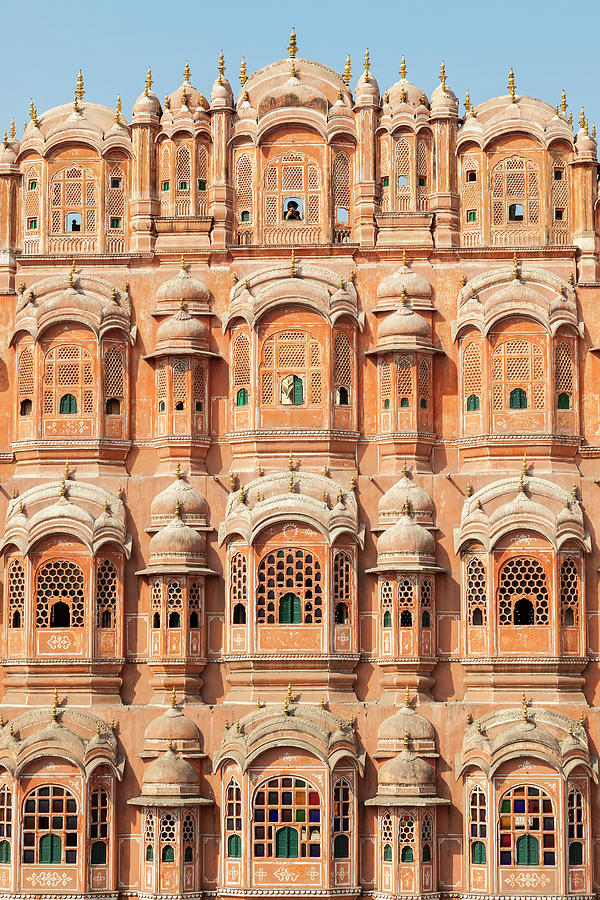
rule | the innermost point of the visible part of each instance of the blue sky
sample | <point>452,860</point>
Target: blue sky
<point>550,45</point>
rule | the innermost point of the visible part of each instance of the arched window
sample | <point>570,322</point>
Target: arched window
<point>425,599</point>
<point>341,819</point>
<point>427,838</point>
<point>342,586</point>
<point>233,820</point>
<point>476,591</point>
<point>518,378</point>
<point>527,830</point>
<point>202,180</point>
<point>5,824</point>
<point>239,588</point>
<point>563,374</point>
<point>387,838</point>
<point>241,369</point>
<point>149,837</point>
<point>569,592</point>
<point>478,826</point>
<point>424,382</point>
<point>114,370</point>
<point>59,595</point>
<point>174,604</point>
<point>243,185</point>
<point>156,602</point>
<point>168,836</point>
<point>106,594</point>
<point>473,403</point>
<point>406,838</point>
<point>406,601</point>
<point>188,838</point>
<point>290,372</point>
<point>523,593</point>
<point>50,826</point>
<point>279,801</point>
<point>342,369</point>
<point>291,192</point>
<point>73,202</point>
<point>194,604</point>
<point>296,575</point>
<point>68,381</point>
<point>471,363</point>
<point>99,833</point>
<point>68,405</point>
<point>242,397</point>
<point>26,379</point>
<point>341,187</point>
<point>183,180</point>
<point>385,384</point>
<point>575,827</point>
<point>386,603</point>
<point>115,208</point>
<point>515,192</point>
<point>402,166</point>
<point>16,594</point>
<point>404,381</point>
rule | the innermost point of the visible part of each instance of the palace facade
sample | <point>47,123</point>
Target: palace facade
<point>299,493</point>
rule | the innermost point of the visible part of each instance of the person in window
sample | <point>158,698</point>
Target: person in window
<point>292,212</point>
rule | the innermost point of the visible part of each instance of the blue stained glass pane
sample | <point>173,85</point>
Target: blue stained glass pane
<point>315,850</point>
<point>549,859</point>
<point>286,798</point>
<point>505,857</point>
<point>519,806</point>
<point>314,815</point>
<point>273,815</point>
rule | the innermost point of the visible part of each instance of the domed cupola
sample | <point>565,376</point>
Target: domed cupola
<point>404,329</point>
<point>183,286</point>
<point>367,89</point>
<point>146,108</point>
<point>406,545</point>
<point>406,776</point>
<point>415,287</point>
<point>193,508</point>
<point>406,721</point>
<point>403,96</point>
<point>181,333</point>
<point>221,95</point>
<point>8,152</point>
<point>173,729</point>
<point>186,99</point>
<point>169,776</point>
<point>443,100</point>
<point>340,114</point>
<point>177,547</point>
<point>393,502</point>
<point>293,93</point>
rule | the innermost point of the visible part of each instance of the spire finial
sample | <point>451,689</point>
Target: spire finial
<point>406,697</point>
<point>563,101</point>
<point>63,488</point>
<point>367,64</point>
<point>293,269</point>
<point>291,483</point>
<point>523,707</point>
<point>594,130</point>
<point>55,705</point>
<point>178,471</point>
<point>148,86</point>
<point>292,46</point>
<point>177,511</point>
<point>443,76</point>
<point>512,88</point>
<point>186,72</point>
<point>67,470</point>
<point>571,118</point>
<point>33,112</point>
<point>515,270</point>
<point>118,110</point>
<point>404,469</point>
<point>71,276</point>
<point>404,257</point>
<point>173,698</point>
<point>79,91</point>
<point>468,102</point>
<point>221,66</point>
<point>75,104</point>
<point>347,71</point>
<point>406,739</point>
<point>182,262</point>
<point>340,496</point>
<point>290,462</point>
<point>406,507</point>
<point>167,102</point>
<point>243,72</point>
<point>582,118</point>
<point>403,297</point>
<point>524,465</point>
<point>184,96</point>
<point>13,131</point>
<point>403,67</point>
<point>5,142</point>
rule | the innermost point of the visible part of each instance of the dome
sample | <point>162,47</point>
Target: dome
<point>221,94</point>
<point>191,503</point>
<point>8,154</point>
<point>367,90</point>
<point>146,105</point>
<point>404,91</point>
<point>183,287</point>
<point>407,773</point>
<point>393,501</point>
<point>403,326</point>
<point>405,545</point>
<point>177,542</point>
<point>405,721</point>
<point>404,278</point>
<point>170,773</point>
<point>443,98</point>
<point>182,331</point>
<point>293,93</point>
<point>186,95</point>
<point>584,142</point>
<point>172,726</point>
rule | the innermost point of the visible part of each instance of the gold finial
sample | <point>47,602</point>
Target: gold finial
<point>291,483</point>
<point>242,494</point>
<point>167,102</point>
<point>5,142</point>
<point>574,492</point>
<point>556,109</point>
<point>106,506</point>
<point>404,469</point>
<point>184,96</point>
<point>571,118</point>
<point>148,82</point>
<point>292,46</point>
<point>186,72</point>
<point>515,270</point>
<point>571,279</point>
<point>339,96</point>
<point>322,703</point>
<point>325,471</point>
<point>182,262</point>
<point>512,88</point>
<point>585,128</point>
<point>232,481</point>
<point>99,729</point>
<point>402,95</point>
<point>33,112</point>
<point>478,726</point>
<point>462,280</point>
<point>468,102</point>
<point>347,71</point>
<point>289,692</point>
<point>63,488</point>
<point>67,470</point>
<point>79,91</point>
<point>258,702</point>
<point>404,257</point>
<point>443,76</point>
<point>325,497</point>
<point>55,705</point>
<point>177,510</point>
<point>118,110</point>
<point>171,745</point>
<point>178,471</point>
<point>173,699</point>
<point>340,496</point>
<point>403,297</point>
<point>403,67</point>
<point>243,72</point>
<point>406,739</point>
<point>260,471</point>
<point>469,718</point>
<point>521,483</point>
<point>594,130</point>
<point>181,303</point>
<point>367,64</point>
<point>469,489</point>
<point>524,465</point>
<point>563,101</point>
<point>13,131</point>
<point>221,66</point>
<point>293,268</point>
<point>406,507</point>
<point>386,98</point>
<point>406,697</point>
<point>582,118</point>
<point>75,104</point>
<point>290,462</point>
<point>353,484</point>
<point>523,706</point>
